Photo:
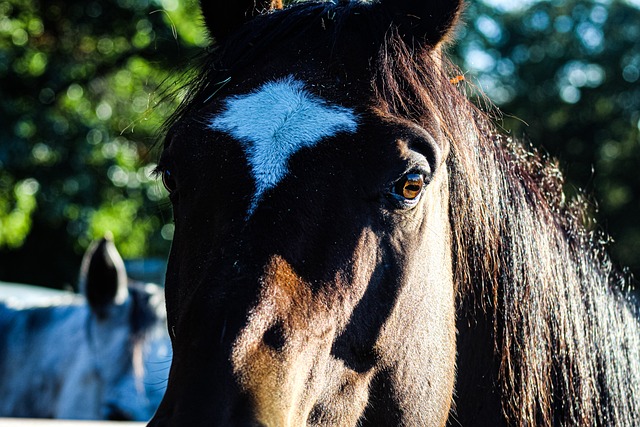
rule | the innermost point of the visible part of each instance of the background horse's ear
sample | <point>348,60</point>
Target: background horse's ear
<point>103,278</point>
<point>224,16</point>
<point>427,22</point>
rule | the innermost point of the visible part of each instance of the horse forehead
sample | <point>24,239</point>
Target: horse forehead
<point>274,122</point>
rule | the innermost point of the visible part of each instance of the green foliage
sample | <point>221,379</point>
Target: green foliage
<point>16,211</point>
<point>85,88</point>
<point>566,75</point>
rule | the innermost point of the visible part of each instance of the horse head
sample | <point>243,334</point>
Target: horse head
<point>310,276</point>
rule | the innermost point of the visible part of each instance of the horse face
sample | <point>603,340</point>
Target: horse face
<point>309,281</point>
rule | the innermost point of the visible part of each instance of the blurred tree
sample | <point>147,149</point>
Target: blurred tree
<point>79,111</point>
<point>566,75</point>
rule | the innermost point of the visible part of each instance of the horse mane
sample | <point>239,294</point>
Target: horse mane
<point>566,339</point>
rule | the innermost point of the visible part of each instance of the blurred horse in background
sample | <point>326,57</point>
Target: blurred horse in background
<point>100,355</point>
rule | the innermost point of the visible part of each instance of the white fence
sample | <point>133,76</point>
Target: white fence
<point>24,422</point>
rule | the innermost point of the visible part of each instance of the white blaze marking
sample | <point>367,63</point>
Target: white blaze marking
<point>276,121</point>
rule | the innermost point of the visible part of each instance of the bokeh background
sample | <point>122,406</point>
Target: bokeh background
<point>86,85</point>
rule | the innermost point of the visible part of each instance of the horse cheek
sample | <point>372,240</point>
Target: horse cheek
<point>421,329</point>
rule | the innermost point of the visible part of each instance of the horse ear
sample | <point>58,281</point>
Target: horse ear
<point>222,17</point>
<point>426,22</point>
<point>103,278</point>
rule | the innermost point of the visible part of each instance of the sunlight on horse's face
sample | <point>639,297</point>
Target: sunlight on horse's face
<point>310,271</point>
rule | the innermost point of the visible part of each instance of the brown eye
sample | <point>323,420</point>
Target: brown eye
<point>169,181</point>
<point>410,186</point>
<point>405,193</point>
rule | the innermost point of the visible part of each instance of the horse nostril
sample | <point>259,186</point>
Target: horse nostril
<point>274,336</point>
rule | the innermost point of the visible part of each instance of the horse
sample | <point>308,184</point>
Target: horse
<point>357,244</point>
<point>100,355</point>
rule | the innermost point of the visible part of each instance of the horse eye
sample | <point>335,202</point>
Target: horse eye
<point>168,181</point>
<point>410,186</point>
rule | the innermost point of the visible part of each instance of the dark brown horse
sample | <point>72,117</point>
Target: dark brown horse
<point>355,244</point>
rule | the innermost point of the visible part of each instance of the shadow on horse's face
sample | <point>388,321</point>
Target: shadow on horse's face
<point>309,281</point>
